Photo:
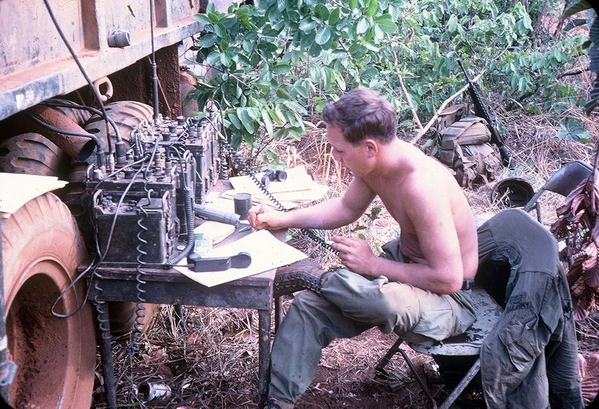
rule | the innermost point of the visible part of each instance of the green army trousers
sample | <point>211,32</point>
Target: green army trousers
<point>348,305</point>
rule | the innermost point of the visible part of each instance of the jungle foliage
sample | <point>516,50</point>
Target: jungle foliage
<point>274,65</point>
<point>592,44</point>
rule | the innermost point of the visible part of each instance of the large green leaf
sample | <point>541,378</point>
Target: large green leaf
<point>281,68</point>
<point>213,58</point>
<point>372,8</point>
<point>362,26</point>
<point>208,40</point>
<point>321,12</point>
<point>323,35</point>
<point>307,25</point>
<point>334,16</point>
<point>266,120</point>
<point>277,116</point>
<point>246,120</point>
<point>387,25</point>
<point>202,18</point>
<point>234,119</point>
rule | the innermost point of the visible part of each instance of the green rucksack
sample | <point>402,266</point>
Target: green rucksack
<point>465,146</point>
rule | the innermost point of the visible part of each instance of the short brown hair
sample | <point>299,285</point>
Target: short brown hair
<point>362,113</point>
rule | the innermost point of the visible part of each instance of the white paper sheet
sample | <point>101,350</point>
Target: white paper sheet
<point>17,189</point>
<point>266,251</point>
<point>299,188</point>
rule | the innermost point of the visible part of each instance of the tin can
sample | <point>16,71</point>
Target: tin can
<point>154,391</point>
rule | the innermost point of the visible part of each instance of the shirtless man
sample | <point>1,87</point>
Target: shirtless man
<point>417,287</point>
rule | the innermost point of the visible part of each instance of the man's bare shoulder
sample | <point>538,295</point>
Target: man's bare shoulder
<point>428,174</point>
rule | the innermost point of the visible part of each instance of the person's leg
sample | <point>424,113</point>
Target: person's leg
<point>348,305</point>
<point>372,301</point>
<point>391,306</point>
<point>311,323</point>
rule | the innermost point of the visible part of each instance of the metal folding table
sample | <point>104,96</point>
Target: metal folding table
<point>169,286</point>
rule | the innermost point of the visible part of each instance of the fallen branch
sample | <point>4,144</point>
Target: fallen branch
<point>430,123</point>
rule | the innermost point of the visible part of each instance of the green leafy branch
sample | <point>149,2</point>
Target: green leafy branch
<point>272,67</point>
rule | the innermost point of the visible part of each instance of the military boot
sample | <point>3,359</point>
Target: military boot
<point>302,275</point>
<point>276,403</point>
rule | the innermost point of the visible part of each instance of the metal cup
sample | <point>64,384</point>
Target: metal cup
<point>243,203</point>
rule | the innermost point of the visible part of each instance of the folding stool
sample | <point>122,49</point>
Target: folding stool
<point>466,345</point>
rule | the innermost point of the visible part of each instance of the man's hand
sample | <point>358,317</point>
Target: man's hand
<point>264,217</point>
<point>355,254</point>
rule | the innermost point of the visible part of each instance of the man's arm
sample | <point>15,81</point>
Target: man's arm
<point>438,268</point>
<point>330,214</point>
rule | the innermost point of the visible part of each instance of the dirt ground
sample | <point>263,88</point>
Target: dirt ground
<point>340,384</point>
<point>211,360</point>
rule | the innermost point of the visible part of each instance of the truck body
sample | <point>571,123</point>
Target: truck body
<point>94,153</point>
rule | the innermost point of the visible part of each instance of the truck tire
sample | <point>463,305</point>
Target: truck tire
<point>127,115</point>
<point>55,357</point>
<point>31,153</point>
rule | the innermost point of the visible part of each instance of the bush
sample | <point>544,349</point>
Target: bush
<point>274,65</point>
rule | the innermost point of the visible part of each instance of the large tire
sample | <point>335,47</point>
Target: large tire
<point>41,249</point>
<point>127,115</point>
<point>31,153</point>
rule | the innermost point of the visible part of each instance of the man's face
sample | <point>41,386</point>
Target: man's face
<point>350,156</point>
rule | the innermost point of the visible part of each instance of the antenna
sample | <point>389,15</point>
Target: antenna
<point>154,73</point>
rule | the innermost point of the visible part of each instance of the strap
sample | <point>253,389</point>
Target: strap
<point>468,284</point>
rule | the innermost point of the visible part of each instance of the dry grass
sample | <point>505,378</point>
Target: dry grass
<point>209,358</point>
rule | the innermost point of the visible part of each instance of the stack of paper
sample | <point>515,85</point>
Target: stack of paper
<point>18,189</point>
<point>298,188</point>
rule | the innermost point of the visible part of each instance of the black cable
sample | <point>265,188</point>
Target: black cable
<point>237,158</point>
<point>188,202</point>
<point>141,275</point>
<point>63,292</point>
<point>101,159</point>
<point>307,232</point>
<point>64,131</point>
<point>154,72</point>
<point>71,104</point>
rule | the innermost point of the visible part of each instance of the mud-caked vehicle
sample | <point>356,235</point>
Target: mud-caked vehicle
<point>98,166</point>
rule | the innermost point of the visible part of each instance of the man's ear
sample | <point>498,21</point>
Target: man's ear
<point>371,147</point>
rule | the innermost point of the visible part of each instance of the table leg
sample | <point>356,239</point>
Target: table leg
<point>264,319</point>
<point>278,313</point>
<point>103,321</point>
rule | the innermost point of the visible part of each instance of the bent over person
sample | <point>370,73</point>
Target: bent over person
<point>414,287</point>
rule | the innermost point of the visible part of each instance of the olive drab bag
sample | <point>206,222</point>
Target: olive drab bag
<point>465,146</point>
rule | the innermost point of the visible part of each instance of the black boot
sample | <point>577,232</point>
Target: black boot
<point>302,275</point>
<point>274,403</point>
